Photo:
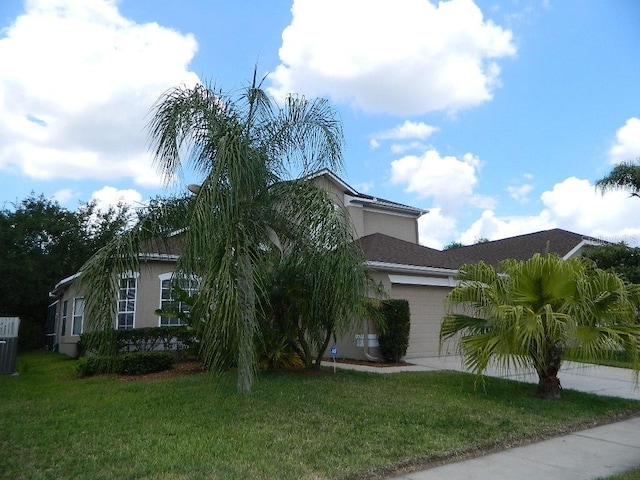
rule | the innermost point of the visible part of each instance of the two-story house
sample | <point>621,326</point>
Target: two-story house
<point>388,234</point>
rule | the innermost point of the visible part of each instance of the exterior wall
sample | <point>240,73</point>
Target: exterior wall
<point>399,226</point>
<point>337,195</point>
<point>359,343</point>
<point>367,219</point>
<point>147,301</point>
<point>67,343</point>
<point>148,294</point>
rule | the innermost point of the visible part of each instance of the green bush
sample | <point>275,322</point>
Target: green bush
<point>95,365</point>
<point>137,363</point>
<point>395,339</point>
<point>142,339</point>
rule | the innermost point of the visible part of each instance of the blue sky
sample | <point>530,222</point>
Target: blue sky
<point>497,116</point>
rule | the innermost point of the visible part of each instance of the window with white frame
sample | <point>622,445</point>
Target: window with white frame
<point>78,315</point>
<point>168,299</point>
<point>127,302</point>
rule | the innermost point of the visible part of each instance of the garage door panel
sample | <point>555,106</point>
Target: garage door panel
<point>426,304</point>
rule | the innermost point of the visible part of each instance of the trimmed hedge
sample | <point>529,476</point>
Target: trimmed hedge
<point>137,363</point>
<point>394,341</point>
<point>142,339</point>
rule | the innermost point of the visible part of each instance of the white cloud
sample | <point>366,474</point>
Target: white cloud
<point>407,130</point>
<point>448,180</point>
<point>108,197</point>
<point>573,205</point>
<point>627,145</point>
<point>64,195</point>
<point>520,193</point>
<point>493,228</point>
<point>407,57</point>
<point>435,228</point>
<point>77,83</point>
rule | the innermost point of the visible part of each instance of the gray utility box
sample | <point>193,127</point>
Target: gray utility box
<point>8,344</point>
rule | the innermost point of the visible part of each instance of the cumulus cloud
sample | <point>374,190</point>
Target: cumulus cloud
<point>74,108</point>
<point>448,180</point>
<point>408,57</point>
<point>627,144</point>
<point>406,131</point>
<point>434,228</point>
<point>108,197</point>
<point>573,205</point>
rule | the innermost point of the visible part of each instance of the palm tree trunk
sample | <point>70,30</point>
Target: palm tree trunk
<point>247,327</point>
<point>548,382</point>
<point>323,348</point>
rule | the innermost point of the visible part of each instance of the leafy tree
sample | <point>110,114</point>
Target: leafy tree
<point>625,176</point>
<point>41,243</point>
<point>619,257</point>
<point>318,284</point>
<point>537,311</point>
<point>453,245</point>
<point>240,221</point>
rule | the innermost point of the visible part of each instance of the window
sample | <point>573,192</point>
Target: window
<point>78,315</point>
<point>167,298</point>
<point>126,303</point>
<point>63,331</point>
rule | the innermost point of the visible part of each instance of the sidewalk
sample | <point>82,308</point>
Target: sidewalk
<point>588,454</point>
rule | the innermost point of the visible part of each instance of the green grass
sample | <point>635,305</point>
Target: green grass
<point>294,426</point>
<point>632,475</point>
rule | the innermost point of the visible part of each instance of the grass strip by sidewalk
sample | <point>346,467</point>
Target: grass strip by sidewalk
<point>294,426</point>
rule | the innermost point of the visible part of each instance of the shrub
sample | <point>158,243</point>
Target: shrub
<point>95,365</point>
<point>143,339</point>
<point>137,363</point>
<point>140,363</point>
<point>395,339</point>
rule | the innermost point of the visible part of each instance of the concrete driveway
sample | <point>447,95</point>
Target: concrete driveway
<point>609,381</point>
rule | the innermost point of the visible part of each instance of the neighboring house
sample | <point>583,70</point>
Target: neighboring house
<point>388,235</point>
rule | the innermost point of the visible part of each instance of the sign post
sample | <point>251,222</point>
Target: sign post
<point>334,354</point>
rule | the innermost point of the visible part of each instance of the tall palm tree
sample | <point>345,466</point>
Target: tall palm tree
<point>244,147</point>
<point>625,176</point>
<point>535,312</point>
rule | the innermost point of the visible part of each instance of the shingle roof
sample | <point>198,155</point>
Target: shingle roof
<point>382,248</point>
<point>520,247</point>
<point>378,247</point>
<point>164,246</point>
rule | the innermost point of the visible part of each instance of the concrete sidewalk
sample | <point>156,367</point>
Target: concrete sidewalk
<point>588,454</point>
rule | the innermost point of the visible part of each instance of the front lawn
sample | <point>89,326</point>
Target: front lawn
<point>294,426</point>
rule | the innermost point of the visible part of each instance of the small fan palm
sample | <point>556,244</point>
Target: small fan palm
<point>539,310</point>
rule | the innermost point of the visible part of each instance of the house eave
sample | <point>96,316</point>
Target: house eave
<point>411,269</point>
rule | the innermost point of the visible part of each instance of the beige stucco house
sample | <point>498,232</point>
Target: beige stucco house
<point>388,234</point>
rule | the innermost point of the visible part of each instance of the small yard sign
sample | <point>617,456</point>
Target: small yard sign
<point>334,354</point>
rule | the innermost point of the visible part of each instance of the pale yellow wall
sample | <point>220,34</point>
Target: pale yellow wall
<point>147,301</point>
<point>148,294</point>
<point>397,226</point>
<point>367,221</point>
